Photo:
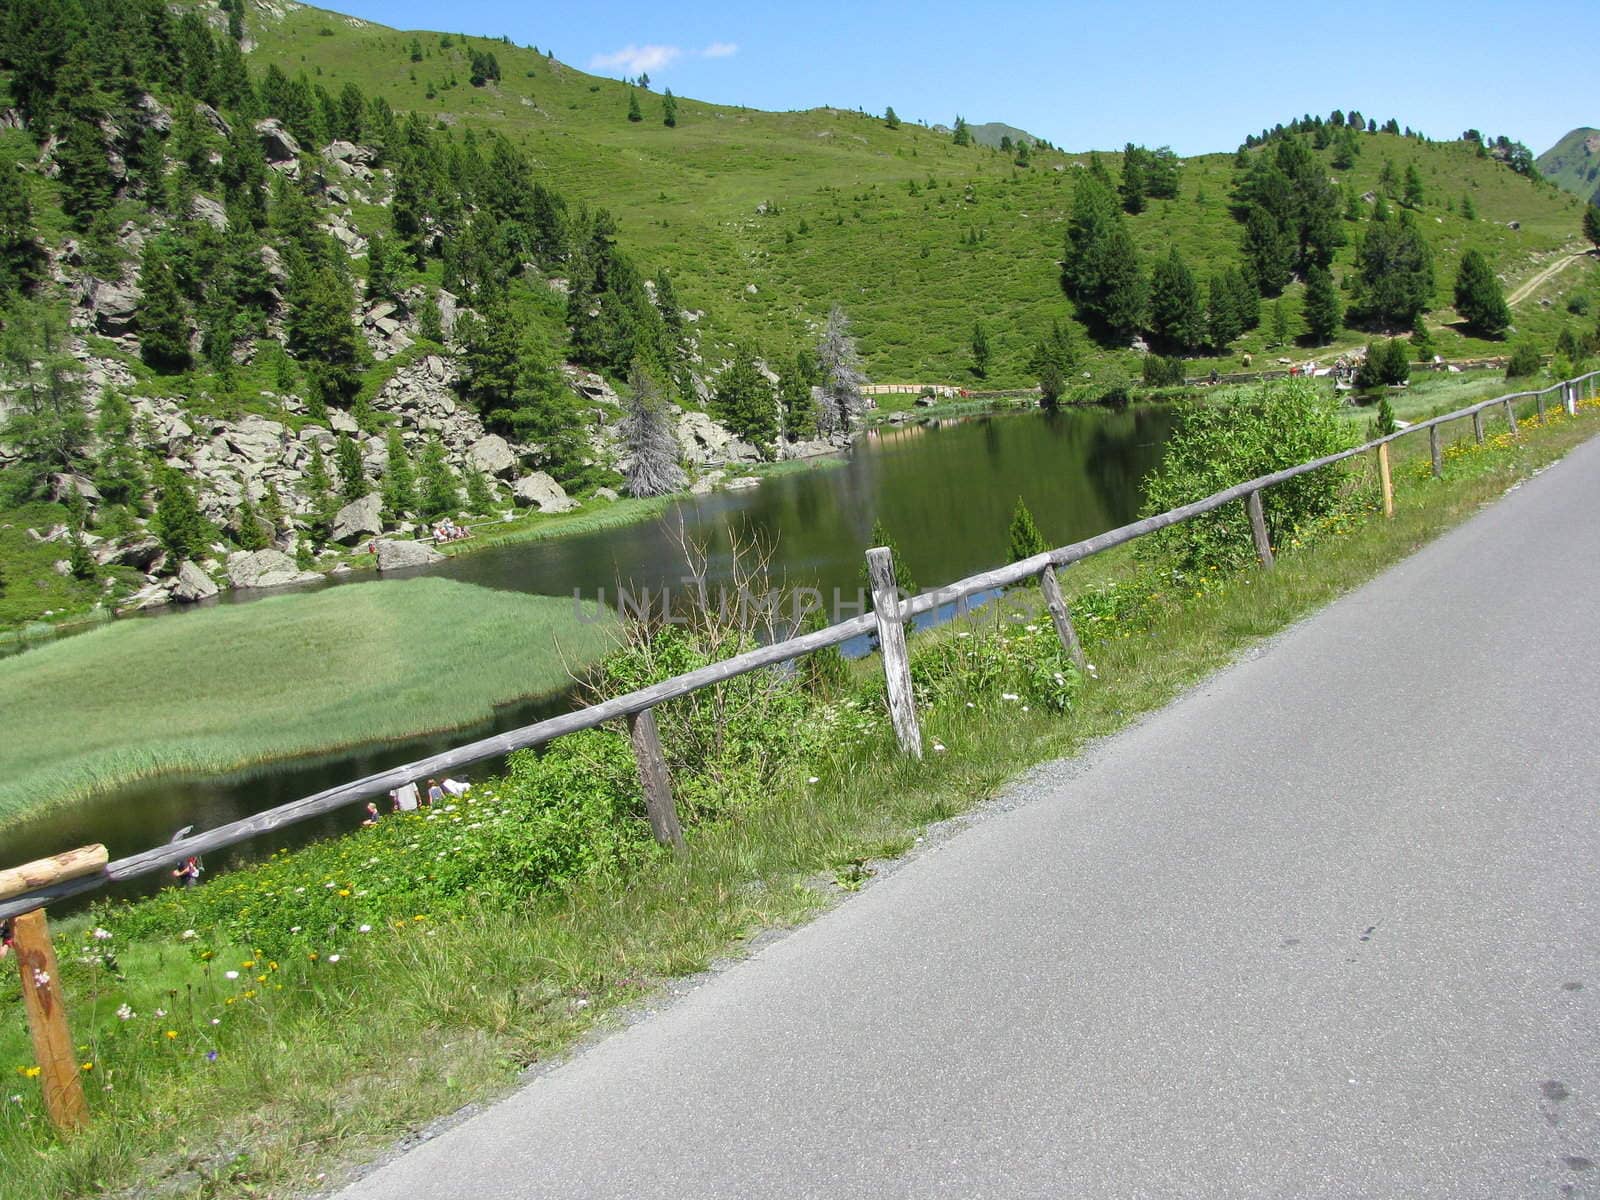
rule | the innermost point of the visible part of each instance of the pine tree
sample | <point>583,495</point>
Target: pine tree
<point>1422,343</point>
<point>480,494</point>
<point>1413,187</point>
<point>273,513</point>
<point>19,245</point>
<point>163,316</point>
<point>438,482</point>
<point>119,477</point>
<point>1268,250</point>
<point>1322,310</point>
<point>253,532</point>
<point>961,136</point>
<point>1223,322</point>
<point>1394,271</point>
<point>839,365</point>
<point>635,113</point>
<point>321,332</point>
<point>1478,297</point>
<point>795,399</point>
<point>48,425</point>
<point>1469,210</point>
<point>352,475</point>
<point>177,524</point>
<point>890,118</point>
<point>1280,323</point>
<point>321,504</point>
<point>1591,223</point>
<point>744,401</point>
<point>1177,316</point>
<point>399,484</point>
<point>1026,540</point>
<point>669,109</point>
<point>1053,361</point>
<point>980,350</point>
<point>649,440</point>
<point>84,175</point>
<point>1134,185</point>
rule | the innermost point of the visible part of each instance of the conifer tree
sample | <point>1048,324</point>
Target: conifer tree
<point>19,245</point>
<point>163,316</point>
<point>635,113</point>
<point>1026,540</point>
<point>1469,210</point>
<point>253,533</point>
<point>1394,270</point>
<point>273,513</point>
<point>961,136</point>
<point>79,561</point>
<point>795,399</point>
<point>1280,323</point>
<point>744,401</point>
<point>321,504</point>
<point>903,582</point>
<point>1177,316</point>
<point>480,493</point>
<point>399,485</point>
<point>1413,187</point>
<point>669,109</point>
<point>1422,343</point>
<point>177,523</point>
<point>1591,223</point>
<point>1053,361</point>
<point>119,476</point>
<point>352,476</point>
<point>1321,309</point>
<point>1223,322</point>
<point>439,494</point>
<point>890,118</point>
<point>980,350</point>
<point>649,440</point>
<point>1478,297</point>
<point>839,365</point>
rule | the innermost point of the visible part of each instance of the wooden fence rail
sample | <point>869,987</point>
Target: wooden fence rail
<point>892,612</point>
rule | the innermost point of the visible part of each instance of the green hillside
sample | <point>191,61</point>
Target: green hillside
<point>1573,163</point>
<point>917,237</point>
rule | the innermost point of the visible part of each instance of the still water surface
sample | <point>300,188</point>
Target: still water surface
<point>944,489</point>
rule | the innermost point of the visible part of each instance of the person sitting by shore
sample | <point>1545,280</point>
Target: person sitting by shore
<point>456,787</point>
<point>372,814</point>
<point>189,872</point>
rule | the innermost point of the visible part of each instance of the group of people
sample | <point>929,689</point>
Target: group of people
<point>409,798</point>
<point>448,531</point>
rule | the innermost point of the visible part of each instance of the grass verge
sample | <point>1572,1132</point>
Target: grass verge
<point>236,685</point>
<point>325,1062</point>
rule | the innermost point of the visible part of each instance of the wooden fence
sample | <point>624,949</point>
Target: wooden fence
<point>890,612</point>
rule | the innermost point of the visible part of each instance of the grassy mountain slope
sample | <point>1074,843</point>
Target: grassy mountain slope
<point>1573,163</point>
<point>825,205</point>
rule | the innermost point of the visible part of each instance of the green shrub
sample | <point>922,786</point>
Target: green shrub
<point>1525,360</point>
<point>1159,371</point>
<point>1216,446</point>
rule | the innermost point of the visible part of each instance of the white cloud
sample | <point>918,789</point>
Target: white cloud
<point>720,50</point>
<point>635,60</point>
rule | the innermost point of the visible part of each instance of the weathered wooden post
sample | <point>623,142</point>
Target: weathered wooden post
<point>1511,416</point>
<point>652,764</point>
<point>42,997</point>
<point>1436,451</point>
<point>1538,398</point>
<point>1050,588</point>
<point>1258,528</point>
<point>1477,425</point>
<point>892,644</point>
<point>1385,481</point>
<point>1569,397</point>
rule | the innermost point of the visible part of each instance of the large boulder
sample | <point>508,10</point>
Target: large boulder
<point>397,555</point>
<point>113,307</point>
<point>277,143</point>
<point>703,441</point>
<point>265,569</point>
<point>358,519</point>
<point>492,456</point>
<point>140,554</point>
<point>204,208</point>
<point>192,584</point>
<point>256,438</point>
<point>543,493</point>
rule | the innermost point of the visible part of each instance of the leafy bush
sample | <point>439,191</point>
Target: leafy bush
<point>1216,446</point>
<point>1387,362</point>
<point>1158,371</point>
<point>1525,360</point>
<point>1023,662</point>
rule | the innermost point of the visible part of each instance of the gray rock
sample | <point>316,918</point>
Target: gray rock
<point>703,441</point>
<point>396,556</point>
<point>152,596</point>
<point>265,569</point>
<point>543,493</point>
<point>214,119</point>
<point>605,493</point>
<point>204,208</point>
<point>358,519</point>
<point>277,143</point>
<point>192,584</point>
<point>492,456</point>
<point>256,438</point>
<point>141,553</point>
<point>113,307</point>
<point>706,484</point>
<point>342,421</point>
<point>156,115</point>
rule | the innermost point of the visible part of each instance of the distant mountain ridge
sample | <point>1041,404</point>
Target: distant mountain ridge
<point>990,133</point>
<point>1573,163</point>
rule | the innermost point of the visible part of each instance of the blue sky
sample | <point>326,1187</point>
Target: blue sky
<point>1194,76</point>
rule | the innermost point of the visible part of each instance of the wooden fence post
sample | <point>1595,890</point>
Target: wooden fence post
<point>1385,481</point>
<point>1477,426</point>
<point>47,1023</point>
<point>652,764</point>
<point>1569,398</point>
<point>1436,451</point>
<point>1539,400</point>
<point>1258,528</point>
<point>1050,587</point>
<point>1511,416</point>
<point>892,645</point>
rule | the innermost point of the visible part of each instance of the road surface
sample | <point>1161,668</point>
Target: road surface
<point>1327,926</point>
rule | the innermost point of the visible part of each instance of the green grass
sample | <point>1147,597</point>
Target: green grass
<point>236,685</point>
<point>328,1064</point>
<point>30,586</point>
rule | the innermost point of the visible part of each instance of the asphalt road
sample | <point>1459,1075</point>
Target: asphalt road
<point>1327,926</point>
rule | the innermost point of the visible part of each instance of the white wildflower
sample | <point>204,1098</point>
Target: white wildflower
<point>188,935</point>
<point>124,1013</point>
<point>333,958</point>
<point>102,935</point>
<point>230,974</point>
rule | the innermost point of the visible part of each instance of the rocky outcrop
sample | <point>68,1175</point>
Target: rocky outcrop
<point>112,307</point>
<point>265,569</point>
<point>397,555</point>
<point>358,519</point>
<point>142,554</point>
<point>703,441</point>
<point>279,145</point>
<point>192,584</point>
<point>542,492</point>
<point>491,456</point>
